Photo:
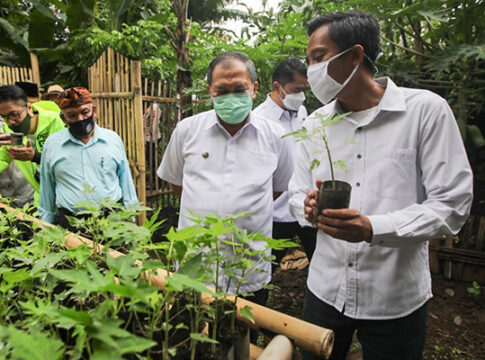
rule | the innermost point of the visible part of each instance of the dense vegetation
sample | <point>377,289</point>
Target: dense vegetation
<point>433,44</point>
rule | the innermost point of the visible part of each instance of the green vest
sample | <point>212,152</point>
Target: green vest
<point>48,123</point>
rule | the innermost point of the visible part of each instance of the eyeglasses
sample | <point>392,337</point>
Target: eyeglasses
<point>14,115</point>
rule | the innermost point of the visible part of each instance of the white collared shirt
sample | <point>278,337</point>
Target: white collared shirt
<point>227,175</point>
<point>291,121</point>
<point>410,175</point>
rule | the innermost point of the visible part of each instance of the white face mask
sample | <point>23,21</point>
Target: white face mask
<point>323,86</point>
<point>292,101</point>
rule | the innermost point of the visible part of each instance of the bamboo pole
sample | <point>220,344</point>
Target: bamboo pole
<point>280,348</point>
<point>34,63</point>
<point>307,336</point>
<point>140,132</point>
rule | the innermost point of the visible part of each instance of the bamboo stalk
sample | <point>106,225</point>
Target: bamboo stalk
<point>280,348</point>
<point>307,336</point>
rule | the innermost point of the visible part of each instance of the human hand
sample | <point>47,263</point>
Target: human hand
<point>345,224</point>
<point>25,153</point>
<point>5,139</point>
<point>311,202</point>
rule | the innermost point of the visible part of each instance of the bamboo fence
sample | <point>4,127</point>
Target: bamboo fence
<point>9,75</point>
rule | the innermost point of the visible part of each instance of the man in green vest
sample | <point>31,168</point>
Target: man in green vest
<point>34,124</point>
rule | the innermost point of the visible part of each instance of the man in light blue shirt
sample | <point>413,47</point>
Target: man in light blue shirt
<point>83,156</point>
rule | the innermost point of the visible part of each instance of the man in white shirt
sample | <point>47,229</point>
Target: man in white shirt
<point>229,160</point>
<point>411,182</point>
<point>284,106</point>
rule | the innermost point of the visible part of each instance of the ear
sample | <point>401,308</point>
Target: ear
<point>95,111</point>
<point>29,108</point>
<point>255,89</point>
<point>208,88</point>
<point>357,54</point>
<point>276,85</point>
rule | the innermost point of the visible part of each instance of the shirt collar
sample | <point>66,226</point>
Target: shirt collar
<point>214,121</point>
<point>97,136</point>
<point>393,98</point>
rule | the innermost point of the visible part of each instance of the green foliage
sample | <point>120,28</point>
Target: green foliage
<point>319,136</point>
<point>475,290</point>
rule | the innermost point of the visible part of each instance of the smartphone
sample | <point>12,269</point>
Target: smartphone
<point>16,138</point>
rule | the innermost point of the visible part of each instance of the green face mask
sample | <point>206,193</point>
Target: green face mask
<point>23,127</point>
<point>233,108</point>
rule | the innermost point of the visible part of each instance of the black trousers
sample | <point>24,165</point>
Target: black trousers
<point>259,297</point>
<point>402,338</point>
<point>288,230</point>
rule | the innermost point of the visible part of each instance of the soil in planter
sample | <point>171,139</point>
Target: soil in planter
<point>334,197</point>
<point>171,217</point>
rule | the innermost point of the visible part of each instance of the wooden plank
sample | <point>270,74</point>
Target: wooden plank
<point>109,95</point>
<point>160,99</point>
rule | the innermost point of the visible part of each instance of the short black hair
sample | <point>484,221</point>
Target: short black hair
<point>285,71</point>
<point>14,94</point>
<point>348,28</point>
<point>253,75</point>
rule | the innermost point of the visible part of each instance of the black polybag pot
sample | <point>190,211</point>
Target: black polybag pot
<point>334,196</point>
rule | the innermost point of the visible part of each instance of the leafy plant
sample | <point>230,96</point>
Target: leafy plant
<point>475,290</point>
<point>319,137</point>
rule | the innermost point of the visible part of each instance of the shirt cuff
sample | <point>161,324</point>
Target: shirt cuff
<point>382,227</point>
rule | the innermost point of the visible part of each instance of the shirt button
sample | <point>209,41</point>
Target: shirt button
<point>350,264</point>
<point>359,156</point>
<point>357,184</point>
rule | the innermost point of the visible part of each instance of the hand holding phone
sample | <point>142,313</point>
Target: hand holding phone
<point>12,139</point>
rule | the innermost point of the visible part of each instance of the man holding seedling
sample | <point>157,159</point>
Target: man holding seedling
<point>82,163</point>
<point>28,128</point>
<point>411,182</point>
<point>229,160</point>
<point>284,106</point>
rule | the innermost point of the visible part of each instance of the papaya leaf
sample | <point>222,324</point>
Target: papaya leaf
<point>246,312</point>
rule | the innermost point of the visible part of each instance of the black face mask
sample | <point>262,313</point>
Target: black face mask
<point>24,126</point>
<point>82,128</point>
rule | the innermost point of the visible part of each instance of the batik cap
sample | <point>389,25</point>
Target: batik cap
<point>75,96</point>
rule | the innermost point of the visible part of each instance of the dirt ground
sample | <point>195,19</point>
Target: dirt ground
<point>455,325</point>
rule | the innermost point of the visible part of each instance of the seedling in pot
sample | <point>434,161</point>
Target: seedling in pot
<point>334,194</point>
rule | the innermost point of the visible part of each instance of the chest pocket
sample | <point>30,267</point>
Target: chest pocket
<point>396,173</point>
<point>258,168</point>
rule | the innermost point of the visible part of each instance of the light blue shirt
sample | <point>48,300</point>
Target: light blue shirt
<point>68,166</point>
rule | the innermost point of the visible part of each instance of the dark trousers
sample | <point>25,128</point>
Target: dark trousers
<point>258,297</point>
<point>401,338</point>
<point>288,230</point>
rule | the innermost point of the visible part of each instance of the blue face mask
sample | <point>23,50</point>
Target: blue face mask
<point>233,108</point>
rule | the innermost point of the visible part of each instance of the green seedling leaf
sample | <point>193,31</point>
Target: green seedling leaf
<point>46,263</point>
<point>134,344</point>
<point>340,164</point>
<point>37,346</point>
<point>314,164</point>
<point>124,265</point>
<point>71,317</point>
<point>180,281</point>
<point>246,312</point>
<point>193,268</point>
<point>16,276</point>
<point>203,338</point>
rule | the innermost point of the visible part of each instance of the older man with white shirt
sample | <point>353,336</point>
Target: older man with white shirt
<point>284,106</point>
<point>229,160</point>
